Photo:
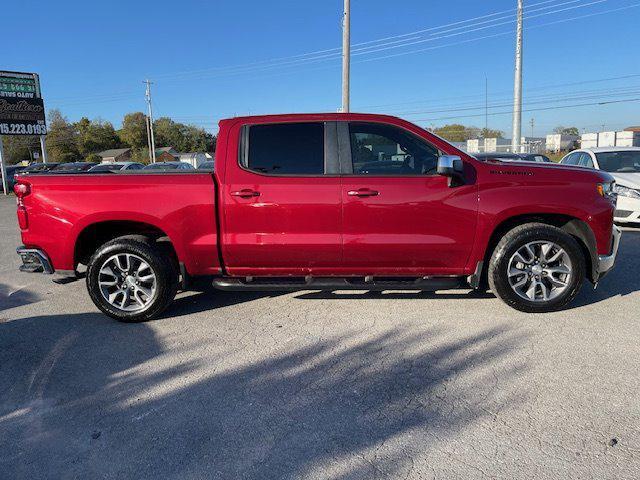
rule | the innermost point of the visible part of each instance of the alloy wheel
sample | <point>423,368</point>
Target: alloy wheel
<point>127,282</point>
<point>539,271</point>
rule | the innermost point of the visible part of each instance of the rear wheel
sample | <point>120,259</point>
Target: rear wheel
<point>537,268</point>
<point>131,279</point>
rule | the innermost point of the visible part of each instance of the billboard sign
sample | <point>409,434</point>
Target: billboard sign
<point>21,106</point>
<point>18,85</point>
<point>22,116</point>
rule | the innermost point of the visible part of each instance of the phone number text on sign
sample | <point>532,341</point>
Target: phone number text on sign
<point>22,129</point>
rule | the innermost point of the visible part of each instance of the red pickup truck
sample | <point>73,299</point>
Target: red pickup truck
<point>324,202</point>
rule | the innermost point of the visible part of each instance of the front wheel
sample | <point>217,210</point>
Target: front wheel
<point>131,279</point>
<point>537,268</point>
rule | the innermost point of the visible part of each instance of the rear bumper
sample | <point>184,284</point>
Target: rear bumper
<point>606,262</point>
<point>34,260</point>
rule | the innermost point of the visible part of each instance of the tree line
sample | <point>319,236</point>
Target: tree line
<point>456,132</point>
<point>83,140</point>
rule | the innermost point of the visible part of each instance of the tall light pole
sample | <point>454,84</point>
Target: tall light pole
<point>148,97</point>
<point>346,54</point>
<point>517,87</point>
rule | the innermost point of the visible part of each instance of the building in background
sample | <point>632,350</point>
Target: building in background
<point>166,154</point>
<point>116,155</point>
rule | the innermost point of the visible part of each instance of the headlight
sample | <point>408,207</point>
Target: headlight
<point>607,190</point>
<point>626,191</point>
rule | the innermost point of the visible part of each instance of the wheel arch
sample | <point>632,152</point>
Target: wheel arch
<point>96,234</point>
<point>574,226</point>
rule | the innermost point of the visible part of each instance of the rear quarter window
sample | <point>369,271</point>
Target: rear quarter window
<point>285,149</point>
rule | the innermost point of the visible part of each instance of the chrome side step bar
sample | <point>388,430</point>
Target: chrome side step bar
<point>428,284</point>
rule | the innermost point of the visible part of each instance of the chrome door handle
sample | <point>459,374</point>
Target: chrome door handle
<point>363,192</point>
<point>245,193</point>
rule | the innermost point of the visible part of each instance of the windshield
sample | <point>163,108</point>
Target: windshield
<point>161,166</point>
<point>72,166</point>
<point>619,162</point>
<point>106,168</point>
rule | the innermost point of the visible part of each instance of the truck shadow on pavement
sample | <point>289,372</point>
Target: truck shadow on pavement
<point>86,397</point>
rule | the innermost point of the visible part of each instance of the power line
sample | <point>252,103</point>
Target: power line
<point>509,112</point>
<point>336,51</point>
<point>291,62</point>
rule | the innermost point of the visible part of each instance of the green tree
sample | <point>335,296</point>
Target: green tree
<point>96,136</point>
<point>62,139</point>
<point>566,130</point>
<point>456,132</point>
<point>489,133</point>
<point>18,148</point>
<point>184,138</point>
<point>134,130</point>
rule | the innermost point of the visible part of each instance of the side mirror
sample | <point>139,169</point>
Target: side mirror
<point>451,166</point>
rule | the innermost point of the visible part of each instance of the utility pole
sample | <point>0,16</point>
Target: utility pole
<point>346,55</point>
<point>532,123</point>
<point>146,122</point>
<point>486,105</point>
<point>153,142</point>
<point>517,86</point>
<point>3,169</point>
<point>43,138</point>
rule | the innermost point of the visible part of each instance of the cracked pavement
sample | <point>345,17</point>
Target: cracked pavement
<point>342,385</point>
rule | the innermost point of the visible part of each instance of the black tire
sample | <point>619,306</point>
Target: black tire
<point>518,238</point>
<point>158,259</point>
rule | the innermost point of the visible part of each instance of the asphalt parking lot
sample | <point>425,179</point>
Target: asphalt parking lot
<point>337,385</point>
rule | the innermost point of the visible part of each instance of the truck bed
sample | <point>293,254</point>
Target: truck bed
<point>62,207</point>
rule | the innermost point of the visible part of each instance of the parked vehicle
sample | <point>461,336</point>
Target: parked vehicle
<point>512,157</point>
<point>623,163</point>
<point>208,165</point>
<point>169,166</point>
<point>12,170</point>
<point>116,167</point>
<point>39,167</point>
<point>325,202</point>
<point>73,167</point>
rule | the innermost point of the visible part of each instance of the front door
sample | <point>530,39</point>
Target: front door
<point>281,194</point>
<point>400,217</point>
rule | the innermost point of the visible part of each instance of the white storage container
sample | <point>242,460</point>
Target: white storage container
<point>496,144</point>
<point>473,145</point>
<point>557,142</point>
<point>589,140</point>
<point>607,139</point>
<point>627,139</point>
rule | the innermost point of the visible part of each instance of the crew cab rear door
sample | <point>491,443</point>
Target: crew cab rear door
<point>281,195</point>
<point>399,216</point>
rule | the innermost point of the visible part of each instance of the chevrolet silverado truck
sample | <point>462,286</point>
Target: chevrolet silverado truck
<point>324,202</point>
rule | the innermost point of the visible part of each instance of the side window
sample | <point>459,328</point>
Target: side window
<point>572,159</point>
<point>378,149</point>
<point>585,160</point>
<point>285,149</point>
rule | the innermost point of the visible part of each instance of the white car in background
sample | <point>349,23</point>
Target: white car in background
<point>623,163</point>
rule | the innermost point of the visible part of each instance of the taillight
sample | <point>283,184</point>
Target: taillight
<point>23,218</point>
<point>22,190</point>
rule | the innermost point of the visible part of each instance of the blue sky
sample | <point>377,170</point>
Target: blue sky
<point>214,59</point>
